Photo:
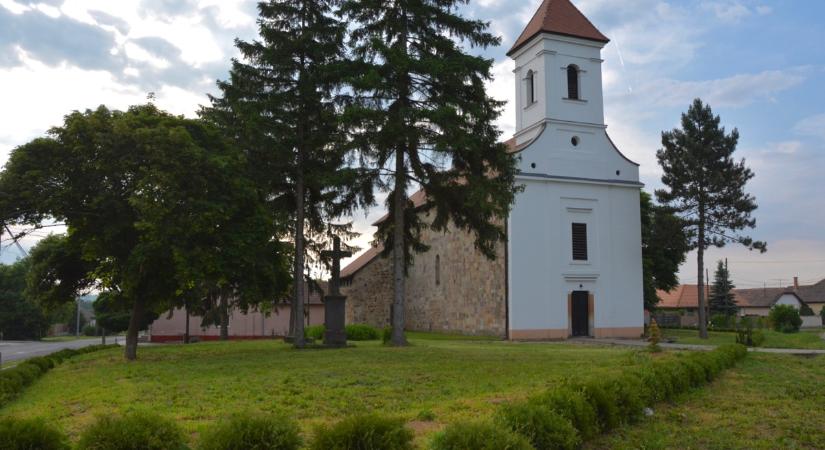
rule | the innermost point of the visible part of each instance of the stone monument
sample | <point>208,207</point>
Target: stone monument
<point>335,334</point>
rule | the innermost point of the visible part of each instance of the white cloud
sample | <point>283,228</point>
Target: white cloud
<point>734,11</point>
<point>812,126</point>
<point>503,88</point>
<point>14,7</point>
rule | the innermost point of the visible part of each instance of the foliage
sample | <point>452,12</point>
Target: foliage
<point>30,434</point>
<point>655,336</point>
<point>422,115</point>
<point>133,431</point>
<point>315,332</point>
<point>664,247</point>
<point>355,332</point>
<point>746,335</point>
<point>722,300</point>
<point>603,400</point>
<point>147,198</point>
<point>479,436</point>
<point>20,317</point>
<point>364,432</point>
<point>723,322</point>
<point>705,186</point>
<point>113,313</point>
<point>252,431</point>
<point>785,318</point>
<point>544,427</point>
<point>573,406</point>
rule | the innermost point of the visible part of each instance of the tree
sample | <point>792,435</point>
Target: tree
<point>150,201</point>
<point>785,318</point>
<point>664,247</point>
<point>423,116</point>
<point>20,318</point>
<point>114,315</point>
<point>722,300</point>
<point>706,187</point>
<point>280,106</point>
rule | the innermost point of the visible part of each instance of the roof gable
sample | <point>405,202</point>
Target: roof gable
<point>558,17</point>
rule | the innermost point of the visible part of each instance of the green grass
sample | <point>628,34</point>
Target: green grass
<point>805,339</point>
<point>432,382</point>
<point>767,402</point>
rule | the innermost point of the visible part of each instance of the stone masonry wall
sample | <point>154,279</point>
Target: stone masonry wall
<point>370,295</point>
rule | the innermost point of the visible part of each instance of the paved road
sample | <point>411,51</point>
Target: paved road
<point>17,350</point>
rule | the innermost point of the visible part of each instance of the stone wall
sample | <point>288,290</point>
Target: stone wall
<point>468,297</point>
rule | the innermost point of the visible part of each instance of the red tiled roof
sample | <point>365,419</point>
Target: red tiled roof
<point>558,17</point>
<point>687,296</point>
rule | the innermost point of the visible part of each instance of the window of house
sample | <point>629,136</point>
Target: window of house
<point>572,82</point>
<point>530,85</point>
<point>579,241</point>
<point>437,269</point>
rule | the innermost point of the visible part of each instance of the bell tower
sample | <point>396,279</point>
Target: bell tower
<point>558,70</point>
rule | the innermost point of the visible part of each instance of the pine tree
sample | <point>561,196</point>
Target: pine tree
<point>706,187</point>
<point>721,293</point>
<point>281,105</point>
<point>424,118</point>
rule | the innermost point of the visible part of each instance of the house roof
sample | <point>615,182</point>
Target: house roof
<point>558,17</point>
<point>814,293</point>
<point>687,296</point>
<point>361,261</point>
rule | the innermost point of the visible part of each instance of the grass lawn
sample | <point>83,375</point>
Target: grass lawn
<point>430,383</point>
<point>807,339</point>
<point>767,402</point>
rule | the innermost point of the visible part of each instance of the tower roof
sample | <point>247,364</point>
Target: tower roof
<point>558,17</point>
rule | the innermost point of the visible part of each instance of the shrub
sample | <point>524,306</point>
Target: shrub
<point>603,401</point>
<point>630,395</point>
<point>314,332</point>
<point>573,406</point>
<point>655,337</point>
<point>42,362</point>
<point>543,427</point>
<point>356,332</point>
<point>479,436</point>
<point>785,318</point>
<point>386,335</point>
<point>252,431</point>
<point>89,330</point>
<point>722,321</point>
<point>135,431</point>
<point>364,432</point>
<point>30,434</point>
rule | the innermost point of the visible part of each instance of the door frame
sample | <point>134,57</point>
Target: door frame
<point>590,303</point>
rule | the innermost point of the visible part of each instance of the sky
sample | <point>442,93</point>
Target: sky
<point>759,63</point>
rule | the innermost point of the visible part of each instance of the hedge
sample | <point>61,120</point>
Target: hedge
<point>17,378</point>
<point>363,432</point>
<point>252,431</point>
<point>355,332</point>
<point>30,434</point>
<point>135,431</point>
<point>479,436</point>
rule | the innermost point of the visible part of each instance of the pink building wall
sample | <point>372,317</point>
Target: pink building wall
<point>253,325</point>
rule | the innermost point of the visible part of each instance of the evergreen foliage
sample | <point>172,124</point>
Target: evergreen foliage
<point>655,337</point>
<point>705,186</point>
<point>252,431</point>
<point>422,117</point>
<point>479,436</point>
<point>133,431</point>
<point>664,247</point>
<point>722,300</point>
<point>364,432</point>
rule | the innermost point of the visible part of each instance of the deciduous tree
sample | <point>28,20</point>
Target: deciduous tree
<point>664,247</point>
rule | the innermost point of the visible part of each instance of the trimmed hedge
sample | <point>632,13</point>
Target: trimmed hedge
<point>135,431</point>
<point>30,434</point>
<point>479,436</point>
<point>252,431</point>
<point>543,427</point>
<point>355,332</point>
<point>17,378</point>
<point>364,432</point>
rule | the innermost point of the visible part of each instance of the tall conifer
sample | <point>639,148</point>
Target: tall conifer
<point>281,105</point>
<point>705,185</point>
<point>424,118</point>
<point>721,293</point>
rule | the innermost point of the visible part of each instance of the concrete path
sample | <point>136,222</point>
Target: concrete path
<point>699,347</point>
<point>20,350</point>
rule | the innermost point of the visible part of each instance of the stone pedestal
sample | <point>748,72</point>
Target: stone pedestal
<point>335,334</point>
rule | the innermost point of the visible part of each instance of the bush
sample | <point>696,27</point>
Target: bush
<point>358,332</point>
<point>543,427</point>
<point>89,330</point>
<point>30,434</point>
<point>722,322</point>
<point>314,332</point>
<point>573,406</point>
<point>603,401</point>
<point>630,395</point>
<point>42,362</point>
<point>479,436</point>
<point>135,431</point>
<point>785,318</point>
<point>386,335</point>
<point>252,431</point>
<point>364,432</point>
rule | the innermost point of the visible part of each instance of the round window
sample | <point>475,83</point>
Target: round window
<point>575,141</point>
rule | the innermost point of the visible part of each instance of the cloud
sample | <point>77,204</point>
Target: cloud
<point>734,11</point>
<point>812,126</point>
<point>503,88</point>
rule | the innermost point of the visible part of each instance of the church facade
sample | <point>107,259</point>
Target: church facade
<point>572,262</point>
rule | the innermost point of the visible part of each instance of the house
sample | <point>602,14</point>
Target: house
<point>572,264</point>
<point>171,326</point>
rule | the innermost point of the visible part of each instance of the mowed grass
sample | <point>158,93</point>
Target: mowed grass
<point>805,339</point>
<point>430,383</point>
<point>767,402</point>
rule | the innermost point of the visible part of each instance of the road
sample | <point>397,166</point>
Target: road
<point>17,350</point>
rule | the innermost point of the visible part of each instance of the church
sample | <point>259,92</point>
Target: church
<point>572,262</point>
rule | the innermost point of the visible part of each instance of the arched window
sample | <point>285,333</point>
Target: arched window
<point>437,269</point>
<point>572,82</point>
<point>530,83</point>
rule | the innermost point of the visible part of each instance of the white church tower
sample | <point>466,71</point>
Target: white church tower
<point>574,263</point>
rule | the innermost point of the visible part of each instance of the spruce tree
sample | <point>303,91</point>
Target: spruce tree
<point>721,293</point>
<point>706,187</point>
<point>424,119</point>
<point>281,105</point>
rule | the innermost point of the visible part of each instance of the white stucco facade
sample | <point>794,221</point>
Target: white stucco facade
<point>572,174</point>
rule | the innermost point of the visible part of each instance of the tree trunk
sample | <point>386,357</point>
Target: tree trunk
<point>700,263</point>
<point>130,351</point>
<point>102,336</point>
<point>399,203</point>
<point>224,312</point>
<point>297,316</point>
<point>186,329</point>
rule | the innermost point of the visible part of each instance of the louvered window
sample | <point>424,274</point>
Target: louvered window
<point>572,82</point>
<point>530,81</point>
<point>579,242</point>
